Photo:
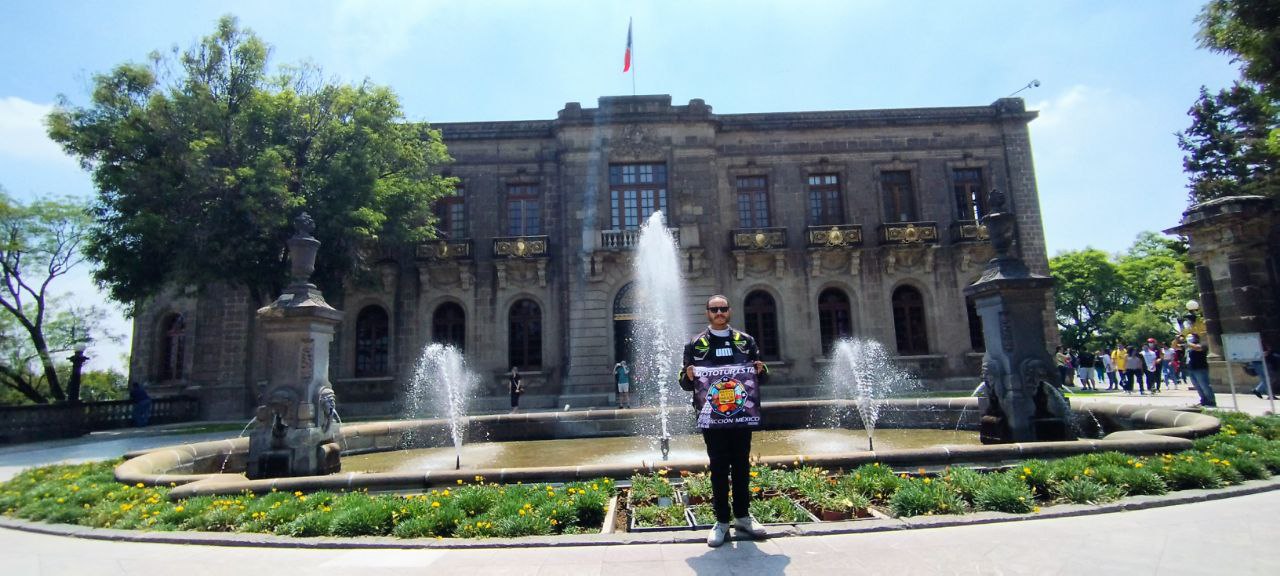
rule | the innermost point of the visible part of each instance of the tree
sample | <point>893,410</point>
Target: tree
<point>1157,276</point>
<point>1088,290</point>
<point>1233,143</point>
<point>39,243</point>
<point>200,175</point>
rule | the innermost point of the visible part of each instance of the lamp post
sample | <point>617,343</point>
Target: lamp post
<point>1192,308</point>
<point>77,364</point>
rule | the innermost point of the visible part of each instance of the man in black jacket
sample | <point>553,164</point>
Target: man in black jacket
<point>728,446</point>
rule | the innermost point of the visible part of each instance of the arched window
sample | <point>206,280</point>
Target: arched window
<point>833,318</point>
<point>173,347</point>
<point>976,341</point>
<point>372,342</point>
<point>761,317</point>
<point>524,348</point>
<point>908,321</point>
<point>449,326</point>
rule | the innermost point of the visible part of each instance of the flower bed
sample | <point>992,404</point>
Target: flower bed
<point>88,495</point>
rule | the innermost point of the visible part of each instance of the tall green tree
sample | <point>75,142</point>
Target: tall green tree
<point>1233,143</point>
<point>1088,290</point>
<point>200,173</point>
<point>40,242</point>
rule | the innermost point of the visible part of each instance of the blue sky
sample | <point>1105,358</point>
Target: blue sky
<point>1116,77</point>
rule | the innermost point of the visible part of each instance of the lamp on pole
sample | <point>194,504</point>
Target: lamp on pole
<point>1193,308</point>
<point>77,364</point>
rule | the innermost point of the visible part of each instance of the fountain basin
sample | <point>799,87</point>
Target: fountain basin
<point>194,469</point>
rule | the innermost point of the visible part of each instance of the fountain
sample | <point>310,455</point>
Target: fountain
<point>441,377</point>
<point>297,429</point>
<point>862,370</point>
<point>662,317</point>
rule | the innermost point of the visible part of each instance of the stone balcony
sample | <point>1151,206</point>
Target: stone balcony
<point>758,238</point>
<point>625,239</point>
<point>969,231</point>
<point>909,233</point>
<point>834,236</point>
<point>521,247</point>
<point>443,250</point>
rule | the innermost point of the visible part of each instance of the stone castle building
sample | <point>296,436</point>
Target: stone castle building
<point>817,225</point>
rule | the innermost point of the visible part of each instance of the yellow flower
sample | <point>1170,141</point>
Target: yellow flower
<point>1026,470</point>
<point>522,512</point>
<point>75,488</point>
<point>1137,465</point>
<point>459,481</point>
<point>445,493</point>
<point>1035,508</point>
<point>139,485</point>
<point>325,509</point>
<point>754,474</point>
<point>554,522</point>
<point>435,504</point>
<point>61,500</point>
<point>175,508</point>
<point>927,481</point>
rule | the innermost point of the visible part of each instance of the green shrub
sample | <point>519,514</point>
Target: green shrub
<point>777,510</point>
<point>473,500</point>
<point>1129,480</point>
<point>441,521</point>
<point>703,514</point>
<point>655,516</point>
<point>361,515</point>
<point>698,486</point>
<point>1006,492</point>
<point>966,482</point>
<point>313,523</point>
<point>648,488</point>
<point>1085,490</point>
<point>1037,474</point>
<point>1188,470</point>
<point>917,496</point>
<point>871,480</point>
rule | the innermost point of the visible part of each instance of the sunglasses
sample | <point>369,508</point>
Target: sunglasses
<point>718,309</point>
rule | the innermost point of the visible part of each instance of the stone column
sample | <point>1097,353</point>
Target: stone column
<point>296,424</point>
<point>1020,403</point>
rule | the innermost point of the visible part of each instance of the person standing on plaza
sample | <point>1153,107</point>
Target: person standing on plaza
<point>1105,365</point>
<point>1198,370</point>
<point>1151,361</point>
<point>141,404</point>
<point>1118,356</point>
<point>1063,362</point>
<point>1084,370</point>
<point>727,413</point>
<point>516,387</point>
<point>1271,363</point>
<point>622,378</point>
<point>1133,371</point>
<point>1169,362</point>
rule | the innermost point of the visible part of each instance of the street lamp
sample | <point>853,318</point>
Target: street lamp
<point>77,364</point>
<point>1192,308</point>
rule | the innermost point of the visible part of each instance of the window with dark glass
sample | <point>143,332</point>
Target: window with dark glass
<point>971,201</point>
<point>899,198</point>
<point>834,320</point>
<point>372,342</point>
<point>173,347</point>
<point>524,217</point>
<point>449,326</point>
<point>452,213</point>
<point>908,321</point>
<point>753,202</point>
<point>761,317</point>
<point>825,206</point>
<point>524,349</point>
<point>976,341</point>
<point>636,191</point>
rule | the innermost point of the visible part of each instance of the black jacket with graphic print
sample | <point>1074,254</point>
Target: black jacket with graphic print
<point>707,349</point>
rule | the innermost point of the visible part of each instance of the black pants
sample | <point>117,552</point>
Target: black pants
<point>729,451</point>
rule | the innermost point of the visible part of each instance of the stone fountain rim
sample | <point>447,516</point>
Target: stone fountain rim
<point>1171,431</point>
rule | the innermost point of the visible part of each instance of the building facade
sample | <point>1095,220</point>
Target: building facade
<point>816,225</point>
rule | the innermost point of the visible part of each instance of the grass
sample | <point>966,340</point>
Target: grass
<point>88,495</point>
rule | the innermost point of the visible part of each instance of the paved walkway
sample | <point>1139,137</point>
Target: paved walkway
<point>1229,536</point>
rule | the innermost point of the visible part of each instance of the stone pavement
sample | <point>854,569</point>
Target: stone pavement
<point>1227,536</point>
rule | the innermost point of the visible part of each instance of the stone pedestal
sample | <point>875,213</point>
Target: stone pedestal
<point>297,421</point>
<point>1021,404</point>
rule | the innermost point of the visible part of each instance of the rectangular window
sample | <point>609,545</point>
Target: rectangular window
<point>524,217</point>
<point>825,206</point>
<point>636,191</point>
<point>899,198</point>
<point>971,201</point>
<point>753,202</point>
<point>452,213</point>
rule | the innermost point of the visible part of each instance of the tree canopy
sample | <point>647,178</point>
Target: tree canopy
<point>1130,297</point>
<point>200,173</point>
<point>41,242</point>
<point>1233,143</point>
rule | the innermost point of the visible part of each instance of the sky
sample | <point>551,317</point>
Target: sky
<point>1116,78</point>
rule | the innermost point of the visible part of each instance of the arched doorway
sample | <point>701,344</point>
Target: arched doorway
<point>624,316</point>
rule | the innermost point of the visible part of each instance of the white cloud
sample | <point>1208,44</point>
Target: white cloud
<point>22,132</point>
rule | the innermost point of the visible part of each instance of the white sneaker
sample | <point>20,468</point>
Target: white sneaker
<point>717,535</point>
<point>750,526</point>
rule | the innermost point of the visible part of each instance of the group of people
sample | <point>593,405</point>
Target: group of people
<point>1146,367</point>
